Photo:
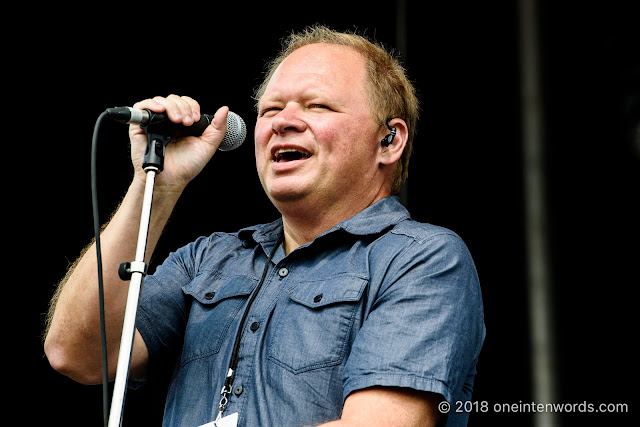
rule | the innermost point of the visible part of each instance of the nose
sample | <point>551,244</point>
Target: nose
<point>288,120</point>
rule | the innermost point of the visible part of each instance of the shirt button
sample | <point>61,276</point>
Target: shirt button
<point>317,298</point>
<point>209,295</point>
<point>237,390</point>
<point>283,272</point>
<point>254,326</point>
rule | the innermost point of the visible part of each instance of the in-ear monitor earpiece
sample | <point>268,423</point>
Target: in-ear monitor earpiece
<point>388,139</point>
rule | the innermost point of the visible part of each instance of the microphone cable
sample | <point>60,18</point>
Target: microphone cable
<point>96,230</point>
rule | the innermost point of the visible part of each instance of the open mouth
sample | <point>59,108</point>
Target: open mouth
<point>289,155</point>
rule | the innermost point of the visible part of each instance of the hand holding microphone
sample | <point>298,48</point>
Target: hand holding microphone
<point>195,136</point>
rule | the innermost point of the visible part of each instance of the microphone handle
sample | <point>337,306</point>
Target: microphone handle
<point>161,124</point>
<point>195,129</point>
<point>160,121</point>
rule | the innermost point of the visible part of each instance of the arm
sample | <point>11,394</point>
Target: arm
<point>389,407</point>
<point>72,342</point>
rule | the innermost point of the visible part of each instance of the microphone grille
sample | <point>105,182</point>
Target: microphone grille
<point>236,133</point>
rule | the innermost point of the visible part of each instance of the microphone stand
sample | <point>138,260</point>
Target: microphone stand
<point>153,163</point>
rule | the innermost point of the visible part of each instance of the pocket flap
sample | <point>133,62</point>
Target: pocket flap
<point>211,290</point>
<point>319,293</point>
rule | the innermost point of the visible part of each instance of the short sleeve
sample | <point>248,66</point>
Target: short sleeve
<point>163,309</point>
<point>426,326</point>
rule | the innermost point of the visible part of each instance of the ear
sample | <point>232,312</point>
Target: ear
<point>390,154</point>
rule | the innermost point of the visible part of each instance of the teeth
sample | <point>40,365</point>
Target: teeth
<point>289,154</point>
<point>285,150</point>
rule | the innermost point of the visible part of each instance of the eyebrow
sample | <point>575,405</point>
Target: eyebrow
<point>307,95</point>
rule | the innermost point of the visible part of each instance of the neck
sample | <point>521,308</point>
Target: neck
<point>303,223</point>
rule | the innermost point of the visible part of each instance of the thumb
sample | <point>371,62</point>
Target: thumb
<point>215,132</point>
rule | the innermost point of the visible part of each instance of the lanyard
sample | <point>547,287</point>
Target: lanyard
<point>233,364</point>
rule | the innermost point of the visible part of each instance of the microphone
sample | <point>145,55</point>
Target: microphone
<point>236,128</point>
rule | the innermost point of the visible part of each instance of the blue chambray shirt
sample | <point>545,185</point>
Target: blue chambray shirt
<point>379,300</point>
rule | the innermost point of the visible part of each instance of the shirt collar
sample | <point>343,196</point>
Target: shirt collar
<point>372,220</point>
<point>376,218</point>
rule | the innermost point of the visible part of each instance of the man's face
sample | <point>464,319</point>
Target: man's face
<point>315,137</point>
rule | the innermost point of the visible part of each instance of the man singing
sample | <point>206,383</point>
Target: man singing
<point>342,312</point>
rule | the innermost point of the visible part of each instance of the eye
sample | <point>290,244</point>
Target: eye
<point>322,106</point>
<point>268,110</point>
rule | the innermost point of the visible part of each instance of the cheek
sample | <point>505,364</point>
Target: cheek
<point>262,134</point>
<point>353,140</point>
<point>340,135</point>
<point>332,137</point>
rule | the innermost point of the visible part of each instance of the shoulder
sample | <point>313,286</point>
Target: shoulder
<point>424,232</point>
<point>207,252</point>
<point>194,254</point>
<point>425,258</point>
<point>425,242</point>
<point>242,239</point>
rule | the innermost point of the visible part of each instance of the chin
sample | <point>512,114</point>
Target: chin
<point>288,189</point>
<point>277,197</point>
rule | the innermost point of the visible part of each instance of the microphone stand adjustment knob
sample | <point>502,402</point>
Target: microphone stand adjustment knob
<point>126,269</point>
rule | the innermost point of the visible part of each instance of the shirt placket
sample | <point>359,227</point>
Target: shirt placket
<point>252,337</point>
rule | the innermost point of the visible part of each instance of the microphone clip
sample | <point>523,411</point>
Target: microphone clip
<point>158,129</point>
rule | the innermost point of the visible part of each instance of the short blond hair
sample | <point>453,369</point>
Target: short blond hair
<point>390,92</point>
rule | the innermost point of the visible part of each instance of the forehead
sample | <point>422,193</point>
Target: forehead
<point>320,67</point>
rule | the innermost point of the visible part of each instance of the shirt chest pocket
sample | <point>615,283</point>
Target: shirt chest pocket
<point>217,302</point>
<point>313,325</point>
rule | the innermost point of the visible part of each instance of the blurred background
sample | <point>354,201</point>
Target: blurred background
<point>528,147</point>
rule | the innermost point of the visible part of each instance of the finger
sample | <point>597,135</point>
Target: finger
<point>177,109</point>
<point>195,107</point>
<point>189,108</point>
<point>170,107</point>
<point>150,104</point>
